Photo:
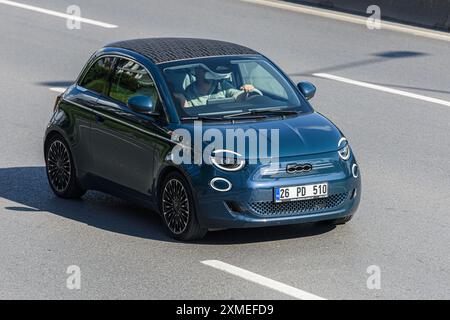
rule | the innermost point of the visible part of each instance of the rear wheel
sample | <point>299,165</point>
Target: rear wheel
<point>178,210</point>
<point>61,170</point>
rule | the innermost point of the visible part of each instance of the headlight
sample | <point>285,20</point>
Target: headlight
<point>344,149</point>
<point>227,160</point>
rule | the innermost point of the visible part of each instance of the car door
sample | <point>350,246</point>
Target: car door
<point>123,141</point>
<point>82,99</point>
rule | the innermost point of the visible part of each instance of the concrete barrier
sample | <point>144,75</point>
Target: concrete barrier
<point>426,13</point>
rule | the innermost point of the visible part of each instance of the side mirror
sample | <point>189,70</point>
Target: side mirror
<point>142,104</point>
<point>307,88</point>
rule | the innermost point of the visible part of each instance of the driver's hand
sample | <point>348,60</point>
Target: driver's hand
<point>247,87</point>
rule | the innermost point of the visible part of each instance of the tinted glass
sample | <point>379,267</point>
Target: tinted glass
<point>96,79</point>
<point>131,79</point>
<point>254,73</point>
<point>226,86</point>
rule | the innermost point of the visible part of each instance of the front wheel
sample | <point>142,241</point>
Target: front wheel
<point>61,169</point>
<point>178,210</point>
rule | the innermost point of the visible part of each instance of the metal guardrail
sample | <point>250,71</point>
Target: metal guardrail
<point>425,13</point>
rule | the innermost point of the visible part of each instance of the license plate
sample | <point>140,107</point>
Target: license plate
<point>296,193</point>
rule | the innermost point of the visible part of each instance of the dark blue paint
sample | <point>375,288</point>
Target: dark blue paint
<point>307,138</point>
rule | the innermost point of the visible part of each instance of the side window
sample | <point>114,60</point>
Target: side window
<point>131,79</point>
<point>253,73</point>
<point>96,79</point>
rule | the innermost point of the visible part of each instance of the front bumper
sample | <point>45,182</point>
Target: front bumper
<point>249,203</point>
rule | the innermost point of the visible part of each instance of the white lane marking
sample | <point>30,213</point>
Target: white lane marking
<point>382,88</point>
<point>352,18</point>
<point>256,278</point>
<point>59,90</point>
<point>58,14</point>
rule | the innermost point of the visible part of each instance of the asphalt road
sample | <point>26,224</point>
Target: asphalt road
<point>402,145</point>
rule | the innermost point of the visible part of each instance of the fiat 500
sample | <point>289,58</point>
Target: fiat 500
<point>210,134</point>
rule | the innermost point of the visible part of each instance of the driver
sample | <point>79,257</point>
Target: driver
<point>201,90</point>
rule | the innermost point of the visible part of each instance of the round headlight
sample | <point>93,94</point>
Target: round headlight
<point>344,149</point>
<point>227,160</point>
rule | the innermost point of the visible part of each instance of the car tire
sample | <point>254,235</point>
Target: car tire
<point>177,208</point>
<point>60,168</point>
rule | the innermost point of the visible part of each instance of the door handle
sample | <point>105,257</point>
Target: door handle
<point>99,118</point>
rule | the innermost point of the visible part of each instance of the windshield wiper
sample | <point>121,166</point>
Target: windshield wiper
<point>260,112</point>
<point>201,118</point>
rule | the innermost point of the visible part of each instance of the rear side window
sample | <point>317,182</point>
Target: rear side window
<point>131,79</point>
<point>96,79</point>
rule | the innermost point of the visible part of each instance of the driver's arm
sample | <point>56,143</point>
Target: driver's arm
<point>230,91</point>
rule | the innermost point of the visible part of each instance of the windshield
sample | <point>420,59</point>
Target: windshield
<point>223,87</point>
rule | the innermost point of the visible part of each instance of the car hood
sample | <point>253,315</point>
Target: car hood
<point>305,134</point>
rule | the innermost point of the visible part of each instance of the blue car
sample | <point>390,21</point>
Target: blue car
<point>210,134</point>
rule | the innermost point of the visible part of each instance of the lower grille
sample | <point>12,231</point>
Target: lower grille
<point>270,208</point>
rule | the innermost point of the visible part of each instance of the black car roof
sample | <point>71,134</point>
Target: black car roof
<point>161,50</point>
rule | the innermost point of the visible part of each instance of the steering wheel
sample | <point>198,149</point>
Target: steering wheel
<point>246,96</point>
